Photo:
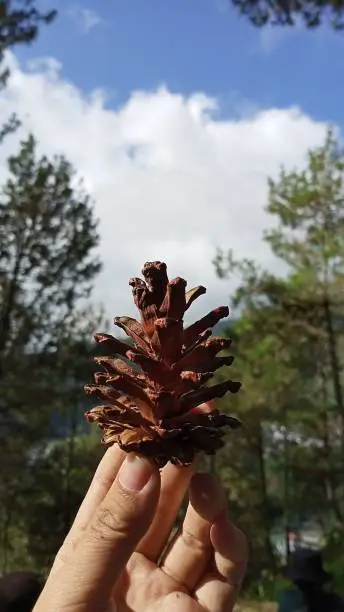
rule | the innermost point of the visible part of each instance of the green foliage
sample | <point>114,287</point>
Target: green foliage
<point>334,557</point>
<point>58,482</point>
<point>47,239</point>
<point>289,345</point>
<point>312,13</point>
<point>48,236</point>
<point>20,21</point>
<point>267,588</point>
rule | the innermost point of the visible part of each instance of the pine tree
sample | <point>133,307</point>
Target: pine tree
<point>48,262</point>
<point>290,346</point>
<point>20,21</point>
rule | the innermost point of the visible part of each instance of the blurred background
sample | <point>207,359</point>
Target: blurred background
<point>207,134</point>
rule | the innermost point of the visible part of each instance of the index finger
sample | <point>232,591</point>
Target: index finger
<point>102,480</point>
<point>86,580</point>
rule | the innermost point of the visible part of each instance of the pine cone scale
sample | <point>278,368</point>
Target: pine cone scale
<point>207,322</point>
<point>163,411</point>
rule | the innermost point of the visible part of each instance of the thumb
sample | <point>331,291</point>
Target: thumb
<point>86,581</point>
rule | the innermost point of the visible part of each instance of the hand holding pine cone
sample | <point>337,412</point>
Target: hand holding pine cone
<point>158,407</point>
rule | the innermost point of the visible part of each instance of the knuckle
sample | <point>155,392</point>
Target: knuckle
<point>232,572</point>
<point>110,522</point>
<point>66,550</point>
<point>62,557</point>
<point>240,547</point>
<point>235,575</point>
<point>192,541</point>
<point>243,544</point>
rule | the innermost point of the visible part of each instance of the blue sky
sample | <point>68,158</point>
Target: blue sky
<point>172,174</point>
<point>196,45</point>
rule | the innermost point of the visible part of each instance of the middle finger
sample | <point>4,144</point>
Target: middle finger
<point>174,484</point>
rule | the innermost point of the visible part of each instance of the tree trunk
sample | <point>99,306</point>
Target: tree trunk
<point>335,366</point>
<point>69,467</point>
<point>5,536</point>
<point>7,308</point>
<point>212,464</point>
<point>334,359</point>
<point>286,488</point>
<point>330,486</point>
<point>265,496</point>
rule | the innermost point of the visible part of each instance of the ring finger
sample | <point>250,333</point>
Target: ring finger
<point>190,553</point>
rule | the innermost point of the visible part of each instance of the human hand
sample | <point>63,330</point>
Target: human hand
<point>109,560</point>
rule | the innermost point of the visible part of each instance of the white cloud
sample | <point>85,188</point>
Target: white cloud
<point>86,19</point>
<point>170,180</point>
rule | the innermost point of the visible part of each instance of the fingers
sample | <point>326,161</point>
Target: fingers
<point>117,526</point>
<point>231,550</point>
<point>174,484</point>
<point>219,589</point>
<point>102,480</point>
<point>190,553</point>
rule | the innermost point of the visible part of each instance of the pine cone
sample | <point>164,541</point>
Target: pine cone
<point>155,401</point>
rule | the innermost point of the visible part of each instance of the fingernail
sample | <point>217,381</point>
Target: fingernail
<point>135,472</point>
<point>207,495</point>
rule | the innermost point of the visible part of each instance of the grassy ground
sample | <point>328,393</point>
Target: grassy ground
<point>251,606</point>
